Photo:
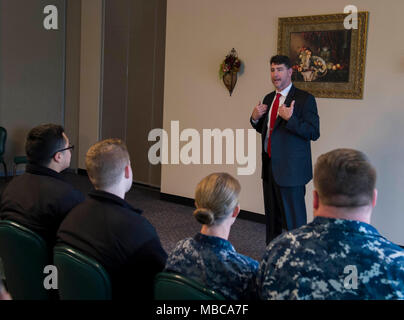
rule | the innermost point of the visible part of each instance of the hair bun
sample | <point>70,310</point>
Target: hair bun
<point>204,216</point>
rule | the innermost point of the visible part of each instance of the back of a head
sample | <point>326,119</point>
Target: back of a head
<point>43,142</point>
<point>106,161</point>
<point>344,178</point>
<point>279,59</point>
<point>216,197</point>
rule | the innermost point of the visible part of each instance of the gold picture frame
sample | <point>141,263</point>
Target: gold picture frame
<point>334,65</point>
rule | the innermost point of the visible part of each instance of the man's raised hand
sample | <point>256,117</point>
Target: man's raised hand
<point>286,112</point>
<point>259,111</point>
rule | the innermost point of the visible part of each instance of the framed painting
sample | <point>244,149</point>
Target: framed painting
<point>328,60</point>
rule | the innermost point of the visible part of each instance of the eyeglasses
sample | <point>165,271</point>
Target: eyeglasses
<point>70,147</point>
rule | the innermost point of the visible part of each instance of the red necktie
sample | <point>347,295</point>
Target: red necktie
<point>274,113</point>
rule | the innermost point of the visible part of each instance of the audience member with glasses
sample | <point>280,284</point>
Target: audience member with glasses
<point>40,198</point>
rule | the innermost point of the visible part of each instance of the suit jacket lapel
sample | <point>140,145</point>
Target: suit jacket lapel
<point>290,96</point>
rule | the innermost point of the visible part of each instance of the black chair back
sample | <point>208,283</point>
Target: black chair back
<point>79,276</point>
<point>173,286</point>
<point>24,255</point>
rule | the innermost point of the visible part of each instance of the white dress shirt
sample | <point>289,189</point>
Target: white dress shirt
<point>284,93</point>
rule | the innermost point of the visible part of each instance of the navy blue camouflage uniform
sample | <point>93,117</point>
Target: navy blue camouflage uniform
<point>332,259</point>
<point>214,262</point>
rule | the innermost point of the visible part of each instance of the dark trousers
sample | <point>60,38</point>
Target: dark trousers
<point>285,208</point>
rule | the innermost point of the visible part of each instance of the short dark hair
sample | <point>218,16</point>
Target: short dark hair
<point>344,178</point>
<point>278,59</point>
<point>43,142</point>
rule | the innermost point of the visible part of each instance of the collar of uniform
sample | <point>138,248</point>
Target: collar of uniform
<point>43,171</point>
<point>346,225</point>
<point>213,241</point>
<point>285,91</point>
<point>109,197</point>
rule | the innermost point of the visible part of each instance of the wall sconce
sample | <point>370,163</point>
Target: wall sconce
<point>228,70</point>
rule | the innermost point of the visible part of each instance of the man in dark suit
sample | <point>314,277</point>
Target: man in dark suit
<point>40,198</point>
<point>287,120</point>
<point>110,230</point>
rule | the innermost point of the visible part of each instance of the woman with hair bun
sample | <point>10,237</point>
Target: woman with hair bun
<point>209,257</point>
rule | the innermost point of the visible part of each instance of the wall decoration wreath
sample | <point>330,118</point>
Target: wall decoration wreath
<point>229,69</point>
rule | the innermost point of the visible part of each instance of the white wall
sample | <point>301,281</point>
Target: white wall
<point>200,34</point>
